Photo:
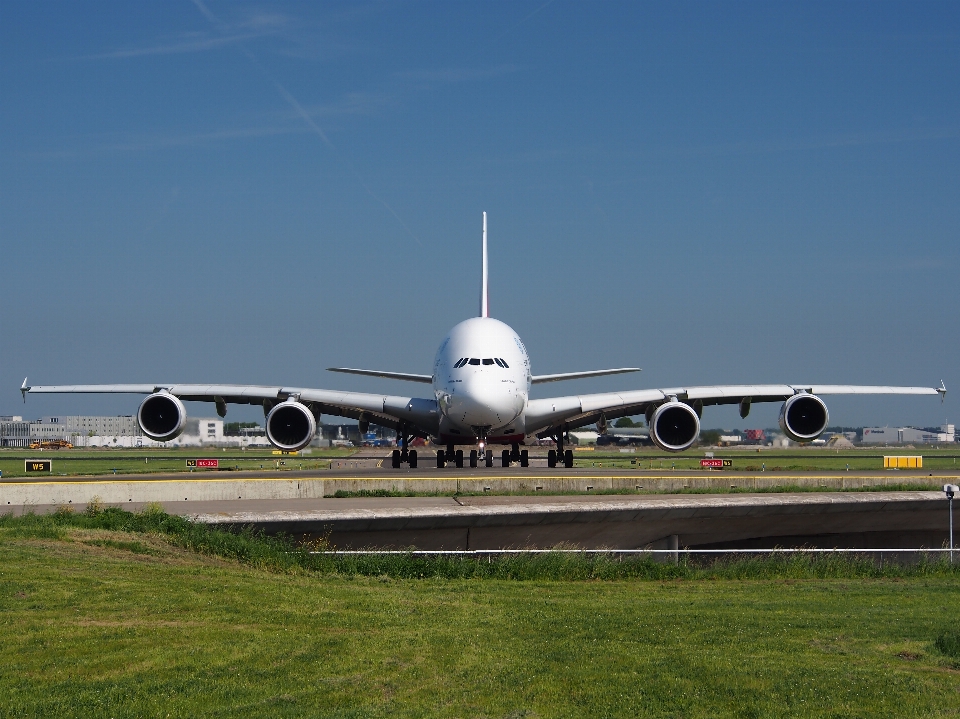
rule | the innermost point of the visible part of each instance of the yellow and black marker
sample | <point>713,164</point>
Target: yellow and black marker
<point>38,465</point>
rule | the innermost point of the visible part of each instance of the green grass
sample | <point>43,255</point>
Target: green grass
<point>73,462</point>
<point>111,614</point>
<point>806,459</point>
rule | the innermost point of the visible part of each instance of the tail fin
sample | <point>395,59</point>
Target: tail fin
<point>484,306</point>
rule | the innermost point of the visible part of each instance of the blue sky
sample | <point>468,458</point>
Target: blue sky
<point>718,193</point>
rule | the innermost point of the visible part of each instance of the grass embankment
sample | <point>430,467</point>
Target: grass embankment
<point>114,614</point>
<point>81,462</point>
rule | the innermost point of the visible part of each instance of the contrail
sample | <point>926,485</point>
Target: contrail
<point>305,116</point>
<point>512,27</point>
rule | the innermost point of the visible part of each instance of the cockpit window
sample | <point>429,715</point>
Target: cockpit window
<point>460,362</point>
<point>503,363</point>
<point>497,360</point>
<point>474,360</point>
<point>488,360</point>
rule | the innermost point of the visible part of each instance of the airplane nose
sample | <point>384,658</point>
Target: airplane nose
<point>484,404</point>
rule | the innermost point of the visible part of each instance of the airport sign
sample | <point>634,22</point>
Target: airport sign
<point>205,463</point>
<point>716,463</point>
<point>38,465</point>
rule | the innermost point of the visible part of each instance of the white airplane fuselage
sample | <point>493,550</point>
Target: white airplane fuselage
<point>481,380</point>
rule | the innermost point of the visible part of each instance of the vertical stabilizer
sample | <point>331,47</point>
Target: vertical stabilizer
<point>484,307</point>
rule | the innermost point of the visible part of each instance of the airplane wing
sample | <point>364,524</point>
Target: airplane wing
<point>389,375</point>
<point>419,415</point>
<point>546,416</point>
<point>538,378</point>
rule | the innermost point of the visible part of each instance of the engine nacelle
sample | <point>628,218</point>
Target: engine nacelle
<point>290,426</point>
<point>162,416</point>
<point>674,426</point>
<point>804,417</point>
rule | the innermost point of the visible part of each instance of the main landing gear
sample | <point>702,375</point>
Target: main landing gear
<point>554,456</point>
<point>485,456</point>
<point>449,455</point>
<point>404,455</point>
<point>514,455</point>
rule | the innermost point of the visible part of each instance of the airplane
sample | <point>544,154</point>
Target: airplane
<point>481,383</point>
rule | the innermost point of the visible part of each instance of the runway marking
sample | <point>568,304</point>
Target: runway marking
<point>370,478</point>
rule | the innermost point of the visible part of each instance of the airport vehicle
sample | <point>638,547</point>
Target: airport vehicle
<point>481,384</point>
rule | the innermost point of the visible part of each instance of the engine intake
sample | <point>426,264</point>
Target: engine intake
<point>162,416</point>
<point>804,417</point>
<point>290,426</point>
<point>674,426</point>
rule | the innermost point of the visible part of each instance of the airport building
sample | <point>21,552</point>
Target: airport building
<point>908,435</point>
<point>75,429</point>
<point>14,432</point>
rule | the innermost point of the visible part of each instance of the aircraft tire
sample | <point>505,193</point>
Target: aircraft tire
<point>458,459</point>
<point>505,458</point>
<point>473,458</point>
<point>488,458</point>
<point>413,459</point>
<point>441,459</point>
<point>552,458</point>
<point>524,458</point>
<point>395,459</point>
<point>568,459</point>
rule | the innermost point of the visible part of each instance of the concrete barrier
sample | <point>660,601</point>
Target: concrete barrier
<point>129,490</point>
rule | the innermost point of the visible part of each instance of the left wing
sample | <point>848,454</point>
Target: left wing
<point>544,416</point>
<point>388,375</point>
<point>385,410</point>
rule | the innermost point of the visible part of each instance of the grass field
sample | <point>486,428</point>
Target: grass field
<point>73,462</point>
<point>160,621</point>
<point>131,461</point>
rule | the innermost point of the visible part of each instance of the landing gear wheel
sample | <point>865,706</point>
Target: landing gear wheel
<point>473,458</point>
<point>505,458</point>
<point>395,461</point>
<point>441,459</point>
<point>488,458</point>
<point>515,452</point>
<point>552,458</point>
<point>412,457</point>
<point>458,458</point>
<point>568,459</point>
<point>524,458</point>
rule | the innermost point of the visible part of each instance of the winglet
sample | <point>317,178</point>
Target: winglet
<point>24,389</point>
<point>942,389</point>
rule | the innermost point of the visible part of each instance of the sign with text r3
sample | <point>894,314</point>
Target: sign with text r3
<point>716,463</point>
<point>208,463</point>
<point>38,465</point>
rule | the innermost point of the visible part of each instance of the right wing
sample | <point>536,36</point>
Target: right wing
<point>547,415</point>
<point>386,410</point>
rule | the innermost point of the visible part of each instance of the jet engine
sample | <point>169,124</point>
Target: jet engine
<point>162,416</point>
<point>290,426</point>
<point>674,426</point>
<point>803,417</point>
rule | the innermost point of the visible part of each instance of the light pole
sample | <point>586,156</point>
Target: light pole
<point>949,490</point>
